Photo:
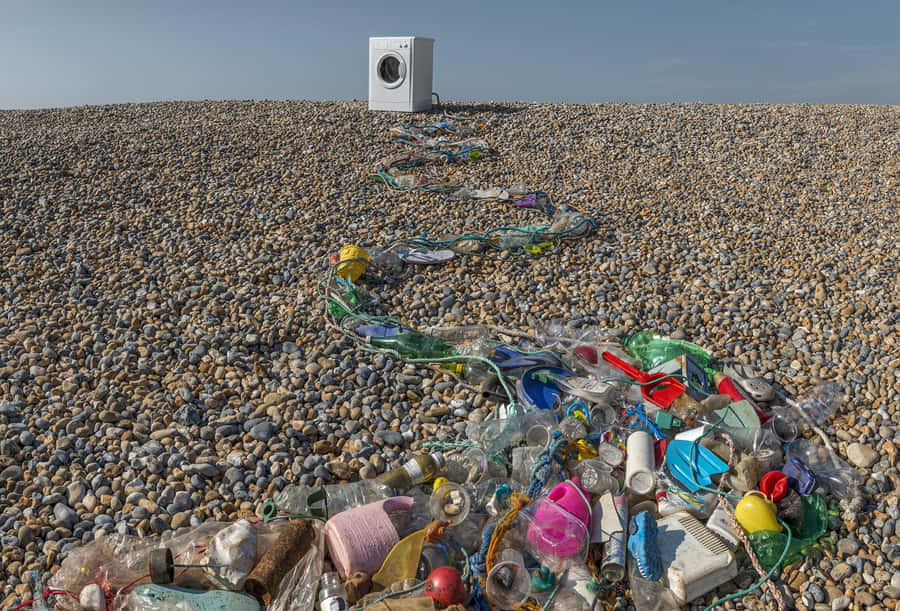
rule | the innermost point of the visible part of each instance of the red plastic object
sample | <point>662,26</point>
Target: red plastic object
<point>726,387</point>
<point>774,485</point>
<point>445,586</point>
<point>659,450</point>
<point>662,393</point>
<point>587,353</point>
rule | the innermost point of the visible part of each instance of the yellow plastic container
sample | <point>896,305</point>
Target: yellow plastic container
<point>755,512</point>
<point>352,262</point>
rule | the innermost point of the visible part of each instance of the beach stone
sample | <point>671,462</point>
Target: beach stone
<point>264,431</point>
<point>203,469</point>
<point>862,455</point>
<point>12,473</point>
<point>64,515</point>
<point>841,571</point>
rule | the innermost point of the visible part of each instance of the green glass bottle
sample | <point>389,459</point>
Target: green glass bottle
<point>415,345</point>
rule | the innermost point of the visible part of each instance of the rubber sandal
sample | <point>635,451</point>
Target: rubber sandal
<point>644,546</point>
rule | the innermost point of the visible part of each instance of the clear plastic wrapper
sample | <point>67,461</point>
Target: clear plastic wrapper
<point>565,340</point>
<point>168,598</point>
<point>497,435</point>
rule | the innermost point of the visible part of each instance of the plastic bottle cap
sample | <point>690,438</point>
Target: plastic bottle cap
<point>438,481</point>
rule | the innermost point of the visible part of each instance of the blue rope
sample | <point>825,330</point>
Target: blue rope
<point>502,493</point>
<point>642,420</point>
<point>478,599</point>
<point>543,464</point>
<point>478,560</point>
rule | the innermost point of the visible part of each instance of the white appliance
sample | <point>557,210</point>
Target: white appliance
<point>400,70</point>
<point>698,560</point>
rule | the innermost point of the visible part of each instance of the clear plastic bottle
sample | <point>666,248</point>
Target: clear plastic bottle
<point>421,469</point>
<point>649,595</point>
<point>477,347</point>
<point>337,497</point>
<point>610,454</point>
<point>332,594</point>
<point>384,260</point>
<point>523,460</point>
<point>830,469</point>
<point>817,405</point>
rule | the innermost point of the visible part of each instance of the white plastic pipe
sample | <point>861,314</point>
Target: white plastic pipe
<point>640,466</point>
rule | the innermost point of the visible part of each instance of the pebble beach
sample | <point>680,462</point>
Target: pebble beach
<point>163,357</point>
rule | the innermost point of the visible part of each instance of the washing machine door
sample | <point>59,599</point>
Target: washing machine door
<point>391,70</point>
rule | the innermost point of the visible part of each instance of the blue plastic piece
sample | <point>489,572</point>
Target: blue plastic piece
<point>800,478</point>
<point>544,395</point>
<point>379,330</point>
<point>696,475</point>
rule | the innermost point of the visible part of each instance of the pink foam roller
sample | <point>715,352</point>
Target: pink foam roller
<point>359,539</point>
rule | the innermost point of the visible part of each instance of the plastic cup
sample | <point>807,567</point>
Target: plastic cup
<point>449,502</point>
<point>469,466</point>
<point>537,435</point>
<point>783,428</point>
<point>508,584</point>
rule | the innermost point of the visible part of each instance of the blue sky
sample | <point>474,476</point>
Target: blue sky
<point>64,53</point>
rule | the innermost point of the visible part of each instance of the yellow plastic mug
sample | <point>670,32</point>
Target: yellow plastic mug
<point>755,512</point>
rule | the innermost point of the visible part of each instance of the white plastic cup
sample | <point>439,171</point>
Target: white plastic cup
<point>640,465</point>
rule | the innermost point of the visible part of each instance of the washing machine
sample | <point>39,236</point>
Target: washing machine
<point>400,70</point>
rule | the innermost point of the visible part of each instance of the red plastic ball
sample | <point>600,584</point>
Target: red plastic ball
<point>587,353</point>
<point>445,586</point>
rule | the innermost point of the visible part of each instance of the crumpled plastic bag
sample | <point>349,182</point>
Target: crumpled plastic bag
<point>233,551</point>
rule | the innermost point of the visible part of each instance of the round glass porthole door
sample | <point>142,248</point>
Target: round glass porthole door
<point>391,70</point>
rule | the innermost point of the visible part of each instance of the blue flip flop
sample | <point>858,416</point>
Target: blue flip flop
<point>644,545</point>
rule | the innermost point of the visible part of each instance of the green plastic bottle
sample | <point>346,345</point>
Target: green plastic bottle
<point>653,349</point>
<point>415,345</point>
